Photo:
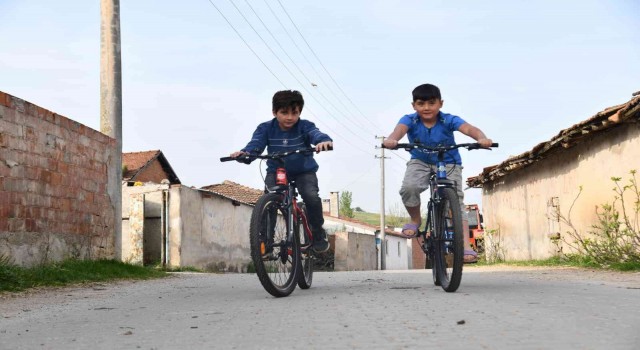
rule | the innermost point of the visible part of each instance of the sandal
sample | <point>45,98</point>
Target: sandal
<point>410,226</point>
<point>473,256</point>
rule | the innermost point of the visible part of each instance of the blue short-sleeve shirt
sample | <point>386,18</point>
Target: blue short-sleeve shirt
<point>439,134</point>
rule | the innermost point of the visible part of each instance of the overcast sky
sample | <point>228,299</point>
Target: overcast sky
<point>520,71</point>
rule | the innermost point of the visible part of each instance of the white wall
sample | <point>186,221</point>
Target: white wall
<point>213,233</point>
<point>519,204</point>
<point>398,253</point>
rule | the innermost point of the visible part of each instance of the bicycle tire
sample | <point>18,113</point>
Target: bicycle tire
<point>305,277</point>
<point>449,254</point>
<point>277,268</point>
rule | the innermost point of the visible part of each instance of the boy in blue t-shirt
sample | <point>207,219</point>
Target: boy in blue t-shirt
<point>430,126</point>
<point>288,132</point>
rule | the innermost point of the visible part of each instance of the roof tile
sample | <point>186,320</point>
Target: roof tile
<point>235,191</point>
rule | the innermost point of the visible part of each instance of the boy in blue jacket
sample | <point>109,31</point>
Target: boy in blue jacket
<point>432,127</point>
<point>288,132</point>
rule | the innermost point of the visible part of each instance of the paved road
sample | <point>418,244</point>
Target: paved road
<point>495,308</point>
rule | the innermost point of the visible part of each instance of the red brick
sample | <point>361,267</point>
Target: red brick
<point>88,197</point>
<point>5,209</point>
<point>3,99</point>
<point>17,171</point>
<point>18,211</point>
<point>63,167</point>
<point>29,133</point>
<point>30,225</point>
<point>45,176</point>
<point>30,109</point>
<point>5,198</point>
<point>65,204</point>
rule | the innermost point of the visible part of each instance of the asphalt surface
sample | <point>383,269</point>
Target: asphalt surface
<point>495,308</point>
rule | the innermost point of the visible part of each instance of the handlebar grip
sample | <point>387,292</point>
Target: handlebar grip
<point>241,159</point>
<point>495,144</point>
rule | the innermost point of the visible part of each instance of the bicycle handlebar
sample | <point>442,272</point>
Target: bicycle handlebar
<point>469,146</point>
<point>248,158</point>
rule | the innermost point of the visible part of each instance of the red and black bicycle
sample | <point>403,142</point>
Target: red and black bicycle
<point>279,235</point>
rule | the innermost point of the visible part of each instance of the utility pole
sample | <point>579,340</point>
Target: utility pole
<point>111,105</point>
<point>383,248</point>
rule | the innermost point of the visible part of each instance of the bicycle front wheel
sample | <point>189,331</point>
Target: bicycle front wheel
<point>305,278</point>
<point>275,253</point>
<point>449,244</point>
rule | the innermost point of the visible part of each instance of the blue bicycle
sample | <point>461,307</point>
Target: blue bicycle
<point>442,240</point>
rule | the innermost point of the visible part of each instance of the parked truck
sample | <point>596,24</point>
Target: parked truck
<point>476,230</point>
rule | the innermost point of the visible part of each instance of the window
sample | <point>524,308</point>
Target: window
<point>399,249</point>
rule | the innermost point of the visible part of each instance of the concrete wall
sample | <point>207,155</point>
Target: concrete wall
<point>53,186</point>
<point>152,236</point>
<point>354,252</point>
<point>398,253</point>
<point>522,204</point>
<point>207,231</point>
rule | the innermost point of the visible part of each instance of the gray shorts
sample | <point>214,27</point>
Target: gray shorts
<point>416,181</point>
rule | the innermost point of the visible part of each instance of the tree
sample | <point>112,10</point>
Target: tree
<point>345,204</point>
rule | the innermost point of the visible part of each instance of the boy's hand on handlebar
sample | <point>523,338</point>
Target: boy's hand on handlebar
<point>324,146</point>
<point>486,143</point>
<point>390,143</point>
<point>238,154</point>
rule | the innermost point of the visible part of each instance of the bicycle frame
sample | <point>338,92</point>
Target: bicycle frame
<point>437,181</point>
<point>286,267</point>
<point>291,209</point>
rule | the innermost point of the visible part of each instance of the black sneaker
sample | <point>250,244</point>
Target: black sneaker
<point>320,242</point>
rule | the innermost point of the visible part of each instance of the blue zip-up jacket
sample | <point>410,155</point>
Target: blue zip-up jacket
<point>303,134</point>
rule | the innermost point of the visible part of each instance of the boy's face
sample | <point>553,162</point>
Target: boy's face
<point>428,110</point>
<point>287,117</point>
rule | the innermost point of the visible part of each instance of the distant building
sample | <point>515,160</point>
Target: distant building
<point>524,197</point>
<point>147,166</point>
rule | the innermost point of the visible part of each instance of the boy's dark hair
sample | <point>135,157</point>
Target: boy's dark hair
<point>287,99</point>
<point>426,92</point>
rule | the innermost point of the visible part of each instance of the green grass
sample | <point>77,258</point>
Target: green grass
<point>14,278</point>
<point>570,261</point>
<point>374,218</point>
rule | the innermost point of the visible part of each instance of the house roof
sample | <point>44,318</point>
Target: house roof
<point>605,120</point>
<point>137,161</point>
<point>236,192</point>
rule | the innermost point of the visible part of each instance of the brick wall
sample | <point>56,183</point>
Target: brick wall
<point>53,186</point>
<point>418,258</point>
<point>152,173</point>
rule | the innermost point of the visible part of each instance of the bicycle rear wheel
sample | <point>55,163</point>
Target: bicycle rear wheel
<point>275,255</point>
<point>305,278</point>
<point>449,246</point>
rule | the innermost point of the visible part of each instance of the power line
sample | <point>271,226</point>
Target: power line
<point>276,77</point>
<point>289,70</point>
<point>300,69</point>
<point>246,43</point>
<point>325,84</point>
<point>323,66</point>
